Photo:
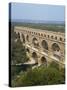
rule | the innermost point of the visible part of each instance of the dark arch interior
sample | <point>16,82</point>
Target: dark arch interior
<point>27,50</point>
<point>43,60</point>
<point>44,45</point>
<point>35,42</point>
<point>18,35</point>
<point>60,39</point>
<point>27,37</point>
<point>23,37</point>
<point>52,37</point>
<point>56,51</point>
<point>55,47</point>
<point>56,38</point>
<point>35,57</point>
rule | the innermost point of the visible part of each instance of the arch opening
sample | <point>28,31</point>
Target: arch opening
<point>27,38</point>
<point>60,39</point>
<point>55,47</point>
<point>51,37</point>
<point>44,45</point>
<point>55,38</point>
<point>35,43</point>
<point>18,35</point>
<point>35,57</point>
<point>56,50</point>
<point>43,61</point>
<point>28,50</point>
<point>23,38</point>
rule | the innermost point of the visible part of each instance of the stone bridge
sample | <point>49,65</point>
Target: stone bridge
<point>43,46</point>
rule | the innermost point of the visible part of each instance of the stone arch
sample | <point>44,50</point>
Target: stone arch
<point>35,42</point>
<point>23,38</point>
<point>27,49</point>
<point>35,57</point>
<point>18,35</point>
<point>56,38</point>
<point>27,38</point>
<point>52,37</point>
<point>44,44</point>
<point>48,36</point>
<point>34,32</point>
<point>43,61</point>
<point>55,47</point>
<point>60,39</point>
<point>44,35</point>
<point>56,50</point>
<point>41,34</point>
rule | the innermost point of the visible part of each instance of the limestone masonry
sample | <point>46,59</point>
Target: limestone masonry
<point>43,46</point>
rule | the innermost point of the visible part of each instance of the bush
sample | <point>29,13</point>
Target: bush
<point>39,76</point>
<point>54,65</point>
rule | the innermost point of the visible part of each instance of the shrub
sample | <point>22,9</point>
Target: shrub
<point>54,65</point>
<point>39,76</point>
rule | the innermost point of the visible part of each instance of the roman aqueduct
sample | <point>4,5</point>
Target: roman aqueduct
<point>42,45</point>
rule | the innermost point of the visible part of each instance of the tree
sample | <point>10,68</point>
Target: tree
<point>39,76</point>
<point>18,51</point>
<point>18,54</point>
<point>54,65</point>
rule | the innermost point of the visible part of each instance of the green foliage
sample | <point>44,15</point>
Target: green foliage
<point>54,65</point>
<point>15,70</point>
<point>50,27</point>
<point>18,53</point>
<point>39,76</point>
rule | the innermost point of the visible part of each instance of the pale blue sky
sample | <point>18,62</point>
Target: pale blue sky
<point>37,12</point>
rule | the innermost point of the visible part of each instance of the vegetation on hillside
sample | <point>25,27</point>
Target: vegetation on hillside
<point>38,76</point>
<point>50,27</point>
<point>18,51</point>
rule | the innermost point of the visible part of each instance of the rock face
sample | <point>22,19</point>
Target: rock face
<point>47,46</point>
